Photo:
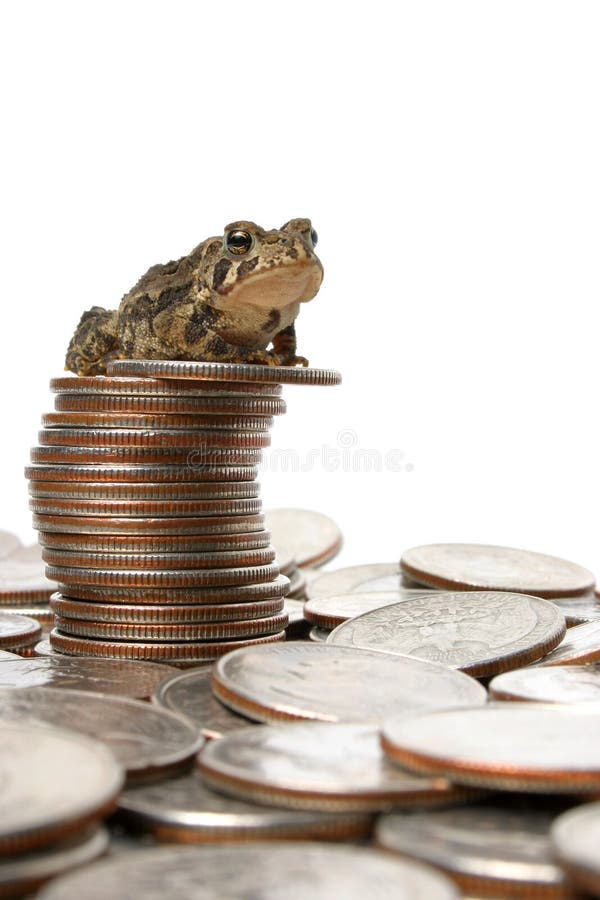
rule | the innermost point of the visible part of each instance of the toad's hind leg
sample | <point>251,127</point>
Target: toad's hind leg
<point>94,343</point>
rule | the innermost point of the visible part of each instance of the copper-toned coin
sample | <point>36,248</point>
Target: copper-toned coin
<point>41,614</point>
<point>140,560</point>
<point>328,612</point>
<point>158,387</point>
<point>153,421</point>
<point>119,678</point>
<point>190,693</point>
<point>193,457</point>
<point>18,631</point>
<point>486,567</point>
<point>140,474</point>
<point>186,810</point>
<point>132,437</point>
<point>235,490</point>
<point>25,873</point>
<point>551,684</point>
<point>180,405</point>
<point>376,577</point>
<point>178,653</point>
<point>168,613</point>
<point>575,837</point>
<point>228,372</point>
<point>138,544</point>
<point>581,645</point>
<point>509,746</point>
<point>315,765</point>
<point>492,850</point>
<point>479,632</point>
<point>38,810</point>
<point>312,538</point>
<point>159,578</point>
<point>109,525</point>
<point>316,681</point>
<point>144,508</point>
<point>258,870</point>
<point>171,631</point>
<point>147,741</point>
<point>266,590</point>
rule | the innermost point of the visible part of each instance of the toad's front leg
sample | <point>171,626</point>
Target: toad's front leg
<point>284,347</point>
<point>94,343</point>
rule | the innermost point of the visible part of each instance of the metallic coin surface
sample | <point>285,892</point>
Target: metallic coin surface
<point>146,741</point>
<point>9,542</point>
<point>267,590</point>
<point>164,613</point>
<point>186,810</point>
<point>18,631</point>
<point>263,871</point>
<point>311,537</point>
<point>581,645</point>
<point>240,524</point>
<point>548,684</point>
<point>168,578</point>
<point>22,577</point>
<point>119,678</point>
<point>179,405</point>
<point>236,490</point>
<point>140,474</point>
<point>528,747</point>
<point>575,837</point>
<point>479,632</point>
<point>376,577</point>
<point>190,693</point>
<point>171,631</point>
<point>23,874</point>
<point>214,371</point>
<point>157,387</point>
<point>153,421</point>
<point>578,610</point>
<point>230,559</point>
<point>315,765</point>
<point>150,439</point>
<point>499,851</point>
<point>178,653</point>
<point>36,809</point>
<point>316,681</point>
<point>319,635</point>
<point>41,613</point>
<point>131,456</point>
<point>144,508</point>
<point>487,567</point>
<point>329,612</point>
<point>148,544</point>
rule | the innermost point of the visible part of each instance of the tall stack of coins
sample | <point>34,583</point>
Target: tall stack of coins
<point>144,493</point>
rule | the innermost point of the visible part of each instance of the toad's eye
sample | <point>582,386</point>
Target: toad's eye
<point>238,242</point>
<point>314,237</point>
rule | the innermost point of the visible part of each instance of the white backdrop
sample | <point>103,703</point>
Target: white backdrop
<point>448,155</point>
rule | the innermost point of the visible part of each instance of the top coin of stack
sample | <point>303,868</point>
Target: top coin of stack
<point>143,492</point>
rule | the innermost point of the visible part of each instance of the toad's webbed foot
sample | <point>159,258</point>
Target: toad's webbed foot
<point>94,343</point>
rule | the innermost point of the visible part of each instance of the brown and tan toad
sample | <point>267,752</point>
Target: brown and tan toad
<point>227,301</point>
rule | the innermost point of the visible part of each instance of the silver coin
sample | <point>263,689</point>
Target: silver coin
<point>201,490</point>
<point>319,635</point>
<point>579,646</point>
<point>23,572</point>
<point>139,474</point>
<point>185,809</point>
<point>117,386</point>
<point>315,765</point>
<point>9,542</point>
<point>190,693</point>
<point>163,578</point>
<point>262,871</point>
<point>329,612</point>
<point>487,567</point>
<point>506,851</point>
<point>228,372</point>
<point>575,837</point>
<point>578,610</point>
<point>7,656</point>
<point>376,577</point>
<point>41,800</point>
<point>18,631</point>
<point>146,741</point>
<point>311,537</point>
<point>27,872</point>
<point>548,684</point>
<point>315,681</point>
<point>480,632</point>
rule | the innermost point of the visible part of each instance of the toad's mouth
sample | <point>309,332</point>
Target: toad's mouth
<point>275,288</point>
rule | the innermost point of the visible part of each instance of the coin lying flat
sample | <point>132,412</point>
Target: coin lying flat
<point>510,746</point>
<point>139,474</point>
<point>329,612</point>
<point>9,542</point>
<point>107,525</point>
<point>148,544</point>
<point>492,849</point>
<point>180,405</point>
<point>22,875</point>
<point>36,810</point>
<point>311,537</point>
<point>41,614</point>
<point>548,684</point>
<point>480,632</point>
<point>158,368</point>
<point>315,681</point>
<point>165,613</point>
<point>203,560</point>
<point>376,577</point>
<point>578,610</point>
<point>233,490</point>
<point>159,578</point>
<point>147,741</point>
<point>487,567</point>
<point>157,387</point>
<point>315,765</point>
<point>119,678</point>
<point>186,810</point>
<point>581,645</point>
<point>190,693</point>
<point>264,871</point>
<point>171,631</point>
<point>266,590</point>
<point>22,577</point>
<point>18,631</point>
<point>575,837</point>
